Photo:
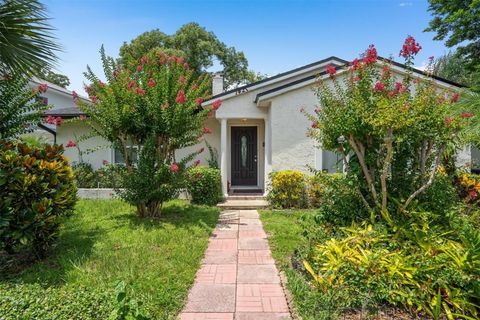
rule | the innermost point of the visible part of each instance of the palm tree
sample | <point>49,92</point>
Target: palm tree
<point>26,40</point>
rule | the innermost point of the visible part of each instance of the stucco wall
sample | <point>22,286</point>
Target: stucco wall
<point>291,148</point>
<point>102,148</point>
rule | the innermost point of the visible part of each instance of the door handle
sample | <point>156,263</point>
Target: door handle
<point>255,158</point>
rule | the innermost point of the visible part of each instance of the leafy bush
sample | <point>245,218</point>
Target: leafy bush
<point>85,175</point>
<point>37,189</point>
<point>204,185</point>
<point>339,201</point>
<point>110,176</point>
<point>415,265</point>
<point>287,189</point>
<point>469,187</point>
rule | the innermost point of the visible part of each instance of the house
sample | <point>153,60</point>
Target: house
<point>258,129</point>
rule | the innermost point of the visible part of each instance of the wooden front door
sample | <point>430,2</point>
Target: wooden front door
<point>244,156</point>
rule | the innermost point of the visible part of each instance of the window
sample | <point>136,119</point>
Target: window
<point>328,161</point>
<point>475,160</point>
<point>118,157</point>
<point>42,100</point>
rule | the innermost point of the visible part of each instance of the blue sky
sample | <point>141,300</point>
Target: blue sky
<point>274,35</point>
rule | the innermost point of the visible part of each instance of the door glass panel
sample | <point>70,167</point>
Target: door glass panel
<point>243,141</point>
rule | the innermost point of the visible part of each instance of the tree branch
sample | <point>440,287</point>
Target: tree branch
<point>361,158</point>
<point>430,180</point>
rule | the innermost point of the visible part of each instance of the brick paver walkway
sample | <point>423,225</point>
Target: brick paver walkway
<point>238,279</point>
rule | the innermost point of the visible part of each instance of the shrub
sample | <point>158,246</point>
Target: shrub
<point>110,176</point>
<point>287,189</point>
<point>418,266</point>
<point>85,175</point>
<point>36,190</point>
<point>339,201</point>
<point>204,185</point>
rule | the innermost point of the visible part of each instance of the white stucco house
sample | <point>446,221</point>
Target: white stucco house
<point>257,130</point>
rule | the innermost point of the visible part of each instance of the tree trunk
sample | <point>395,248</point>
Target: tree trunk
<point>151,209</point>
<point>386,167</point>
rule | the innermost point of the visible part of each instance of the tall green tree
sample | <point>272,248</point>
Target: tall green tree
<point>26,40</point>
<point>452,66</point>
<point>457,21</point>
<point>56,78</point>
<point>199,47</point>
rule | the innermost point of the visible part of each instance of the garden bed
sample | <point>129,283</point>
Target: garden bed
<point>105,242</point>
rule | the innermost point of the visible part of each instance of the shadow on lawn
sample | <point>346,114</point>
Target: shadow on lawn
<point>74,246</point>
<point>178,214</point>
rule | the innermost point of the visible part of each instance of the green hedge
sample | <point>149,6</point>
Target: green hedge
<point>204,185</point>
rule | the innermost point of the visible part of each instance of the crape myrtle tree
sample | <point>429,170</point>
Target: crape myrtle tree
<point>395,127</point>
<point>153,105</point>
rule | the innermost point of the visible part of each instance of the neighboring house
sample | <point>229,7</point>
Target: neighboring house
<point>257,130</point>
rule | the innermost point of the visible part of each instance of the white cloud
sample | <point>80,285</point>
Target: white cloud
<point>405,4</point>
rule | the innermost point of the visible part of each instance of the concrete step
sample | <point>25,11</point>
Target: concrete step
<point>245,197</point>
<point>243,204</point>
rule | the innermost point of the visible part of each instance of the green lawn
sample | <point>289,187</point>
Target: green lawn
<point>104,242</point>
<point>285,234</point>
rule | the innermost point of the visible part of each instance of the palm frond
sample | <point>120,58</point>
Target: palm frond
<point>26,40</point>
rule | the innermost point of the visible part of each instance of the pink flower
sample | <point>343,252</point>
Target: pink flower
<point>448,120</point>
<point>163,59</point>
<point>70,144</point>
<point>194,87</point>
<point>416,81</point>
<point>356,78</point>
<point>43,87</point>
<point>140,91</point>
<point>216,104</point>
<point>181,79</point>
<point>199,100</point>
<point>143,61</point>
<point>391,93</point>
<point>50,120</point>
<point>207,130</point>
<point>139,68</point>
<point>302,110</point>
<point>331,71</point>
<point>180,99</point>
<point>355,64</point>
<point>94,99</point>
<point>131,85</point>
<point>196,163</point>
<point>379,87</point>
<point>151,83</point>
<point>185,66</point>
<point>201,150</point>
<point>455,97</point>
<point>399,87</point>
<point>466,115</point>
<point>104,162</point>
<point>370,56</point>
<point>473,195</point>
<point>410,48</point>
<point>58,121</point>
<point>174,167</point>
<point>180,60</point>
<point>314,125</point>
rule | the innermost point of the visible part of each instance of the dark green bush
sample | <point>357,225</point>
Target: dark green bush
<point>204,185</point>
<point>37,189</point>
<point>339,202</point>
<point>108,176</point>
<point>85,175</point>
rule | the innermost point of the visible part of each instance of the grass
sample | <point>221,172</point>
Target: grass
<point>285,229</point>
<point>104,242</point>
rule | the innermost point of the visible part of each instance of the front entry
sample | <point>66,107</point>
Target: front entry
<point>244,156</point>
